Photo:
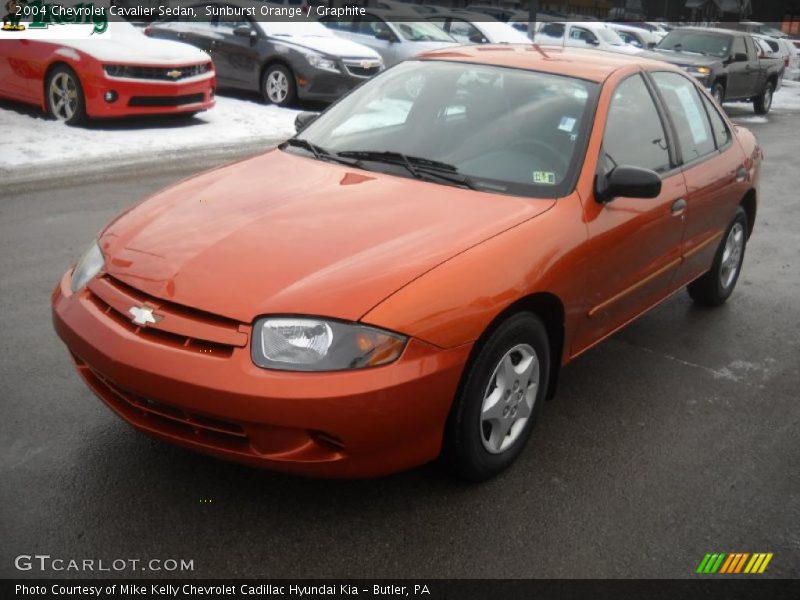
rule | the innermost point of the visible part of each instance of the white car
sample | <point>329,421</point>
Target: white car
<point>583,34</point>
<point>784,50</point>
<point>395,36</point>
<point>470,28</point>
<point>636,36</point>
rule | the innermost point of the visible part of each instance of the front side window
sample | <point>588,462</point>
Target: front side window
<point>634,135</point>
<point>555,30</point>
<point>738,45</point>
<point>687,113</point>
<point>507,130</point>
<point>421,31</point>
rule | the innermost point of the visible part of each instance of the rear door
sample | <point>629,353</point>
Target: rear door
<point>235,56</point>
<point>635,242</point>
<point>757,68</point>
<point>713,168</point>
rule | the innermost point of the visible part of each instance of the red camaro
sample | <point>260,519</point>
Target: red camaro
<point>126,74</point>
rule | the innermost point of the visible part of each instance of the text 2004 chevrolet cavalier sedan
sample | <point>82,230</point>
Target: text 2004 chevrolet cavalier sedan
<point>404,278</point>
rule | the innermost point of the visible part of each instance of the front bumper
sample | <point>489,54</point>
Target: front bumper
<point>147,97</point>
<point>215,400</point>
<point>326,86</point>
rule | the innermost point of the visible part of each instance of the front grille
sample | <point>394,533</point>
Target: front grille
<point>165,418</point>
<point>361,71</point>
<point>179,327</point>
<point>157,73</point>
<point>166,100</point>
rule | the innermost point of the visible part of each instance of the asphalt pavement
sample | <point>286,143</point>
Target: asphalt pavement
<point>675,438</point>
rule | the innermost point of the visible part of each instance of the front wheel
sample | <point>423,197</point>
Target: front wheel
<point>716,286</point>
<point>500,399</point>
<point>718,92</point>
<point>65,101</point>
<point>278,86</point>
<point>763,103</point>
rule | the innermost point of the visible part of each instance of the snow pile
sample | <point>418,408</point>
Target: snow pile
<point>29,140</point>
<point>788,97</point>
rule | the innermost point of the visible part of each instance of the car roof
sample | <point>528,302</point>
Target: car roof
<point>391,15</point>
<point>718,30</point>
<point>594,65</point>
<point>465,15</point>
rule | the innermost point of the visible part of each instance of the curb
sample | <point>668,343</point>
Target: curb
<point>56,174</point>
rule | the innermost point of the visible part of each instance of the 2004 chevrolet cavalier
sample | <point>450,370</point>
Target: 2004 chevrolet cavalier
<point>405,277</point>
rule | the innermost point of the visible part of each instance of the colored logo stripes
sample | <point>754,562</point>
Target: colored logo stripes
<point>735,562</point>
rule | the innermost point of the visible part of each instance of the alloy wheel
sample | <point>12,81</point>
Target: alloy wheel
<point>731,256</point>
<point>63,96</point>
<point>509,398</point>
<point>277,87</point>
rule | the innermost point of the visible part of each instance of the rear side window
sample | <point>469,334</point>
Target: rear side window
<point>634,135</point>
<point>687,113</point>
<point>553,29</point>
<point>721,133</point>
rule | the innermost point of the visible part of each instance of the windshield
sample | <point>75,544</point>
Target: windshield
<point>503,33</point>
<point>422,31</point>
<point>697,42</point>
<point>610,36</point>
<point>508,130</point>
<point>295,28</point>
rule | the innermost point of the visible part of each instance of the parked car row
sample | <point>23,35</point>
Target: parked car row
<point>130,74</point>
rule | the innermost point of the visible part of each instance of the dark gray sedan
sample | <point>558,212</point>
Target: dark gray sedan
<point>284,61</point>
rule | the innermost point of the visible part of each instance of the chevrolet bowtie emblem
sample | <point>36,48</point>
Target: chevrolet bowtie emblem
<point>174,74</point>
<point>366,64</point>
<point>143,315</point>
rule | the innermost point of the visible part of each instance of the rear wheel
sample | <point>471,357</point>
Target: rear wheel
<point>500,399</point>
<point>64,94</point>
<point>763,103</point>
<point>716,286</point>
<point>278,86</point>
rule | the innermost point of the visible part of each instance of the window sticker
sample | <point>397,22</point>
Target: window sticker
<point>567,124</point>
<point>693,114</point>
<point>544,177</point>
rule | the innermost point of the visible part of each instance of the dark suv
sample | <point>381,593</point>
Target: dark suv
<point>727,62</point>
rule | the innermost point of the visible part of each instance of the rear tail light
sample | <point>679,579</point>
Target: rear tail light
<point>785,61</point>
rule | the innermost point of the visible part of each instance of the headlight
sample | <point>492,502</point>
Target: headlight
<point>698,71</point>
<point>320,62</point>
<point>308,344</point>
<point>88,266</point>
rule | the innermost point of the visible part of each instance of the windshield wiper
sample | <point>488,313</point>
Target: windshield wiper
<point>319,152</point>
<point>419,167</point>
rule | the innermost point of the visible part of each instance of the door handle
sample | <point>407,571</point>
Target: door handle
<point>679,207</point>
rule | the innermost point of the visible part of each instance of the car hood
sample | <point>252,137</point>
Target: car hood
<point>330,45</point>
<point>136,48</point>
<point>680,58</point>
<point>281,233</point>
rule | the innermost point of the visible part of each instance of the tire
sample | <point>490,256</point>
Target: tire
<point>489,403</point>
<point>718,92</point>
<point>763,103</point>
<point>278,86</point>
<point>64,96</point>
<point>716,286</point>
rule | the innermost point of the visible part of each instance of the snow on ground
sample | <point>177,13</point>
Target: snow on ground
<point>29,140</point>
<point>788,97</point>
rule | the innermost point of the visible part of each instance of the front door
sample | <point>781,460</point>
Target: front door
<point>635,243</point>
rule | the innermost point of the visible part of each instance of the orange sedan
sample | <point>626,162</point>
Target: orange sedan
<point>404,278</point>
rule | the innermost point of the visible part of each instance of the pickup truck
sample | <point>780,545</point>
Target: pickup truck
<point>727,62</point>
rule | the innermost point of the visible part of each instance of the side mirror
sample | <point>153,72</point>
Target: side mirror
<point>628,182</point>
<point>593,42</point>
<point>740,57</point>
<point>477,38</point>
<point>651,45</point>
<point>304,119</point>
<point>385,35</point>
<point>244,31</point>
